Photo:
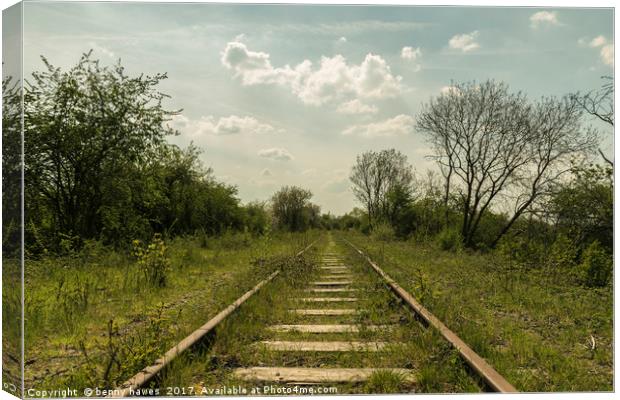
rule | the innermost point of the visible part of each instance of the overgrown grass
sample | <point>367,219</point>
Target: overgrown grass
<point>542,332</point>
<point>227,347</point>
<point>11,325</point>
<point>236,342</point>
<point>92,319</point>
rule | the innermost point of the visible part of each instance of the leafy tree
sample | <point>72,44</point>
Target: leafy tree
<point>597,266</point>
<point>291,208</point>
<point>583,207</point>
<point>352,219</point>
<point>98,165</point>
<point>312,216</point>
<point>398,198</point>
<point>256,218</point>
<point>329,222</point>
<point>83,125</point>
<point>11,165</point>
<point>374,175</point>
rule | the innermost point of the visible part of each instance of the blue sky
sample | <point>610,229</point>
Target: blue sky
<point>291,94</point>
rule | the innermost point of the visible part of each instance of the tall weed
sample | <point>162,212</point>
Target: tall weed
<point>153,260</point>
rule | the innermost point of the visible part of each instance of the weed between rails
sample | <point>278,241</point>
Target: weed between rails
<point>385,382</point>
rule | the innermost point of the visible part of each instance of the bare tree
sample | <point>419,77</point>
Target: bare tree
<point>478,134</point>
<point>490,142</point>
<point>374,175</point>
<point>556,140</point>
<point>600,104</point>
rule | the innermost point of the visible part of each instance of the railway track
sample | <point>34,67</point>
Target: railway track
<point>340,327</point>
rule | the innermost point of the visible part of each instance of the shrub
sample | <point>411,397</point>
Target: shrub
<point>521,251</point>
<point>596,266</point>
<point>562,254</point>
<point>449,239</point>
<point>383,232</point>
<point>153,260</point>
<point>365,227</point>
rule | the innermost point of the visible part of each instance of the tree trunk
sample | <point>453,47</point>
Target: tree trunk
<point>514,218</point>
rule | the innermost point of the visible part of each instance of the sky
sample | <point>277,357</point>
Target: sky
<point>290,94</point>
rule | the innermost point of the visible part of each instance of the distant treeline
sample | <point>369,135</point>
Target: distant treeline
<point>514,174</point>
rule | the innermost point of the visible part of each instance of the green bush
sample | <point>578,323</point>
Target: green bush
<point>383,232</point>
<point>519,250</point>
<point>449,239</point>
<point>596,266</point>
<point>562,254</point>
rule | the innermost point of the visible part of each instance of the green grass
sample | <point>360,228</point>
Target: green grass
<point>11,325</point>
<point>91,320</point>
<point>385,382</point>
<point>534,327</point>
<point>93,310</point>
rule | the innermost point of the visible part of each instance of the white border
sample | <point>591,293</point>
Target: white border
<point>488,3</point>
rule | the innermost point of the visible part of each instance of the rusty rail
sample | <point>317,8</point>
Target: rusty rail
<point>148,373</point>
<point>492,378</point>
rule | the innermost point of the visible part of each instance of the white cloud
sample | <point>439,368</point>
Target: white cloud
<point>356,107</point>
<point>231,125</point>
<point>607,49</point>
<point>544,17</point>
<point>598,41</point>
<point>342,39</point>
<point>255,67</point>
<point>607,54</point>
<point>465,42</point>
<point>374,78</point>
<point>266,172</point>
<point>410,53</point>
<point>332,79</point>
<point>276,153</point>
<point>400,125</point>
